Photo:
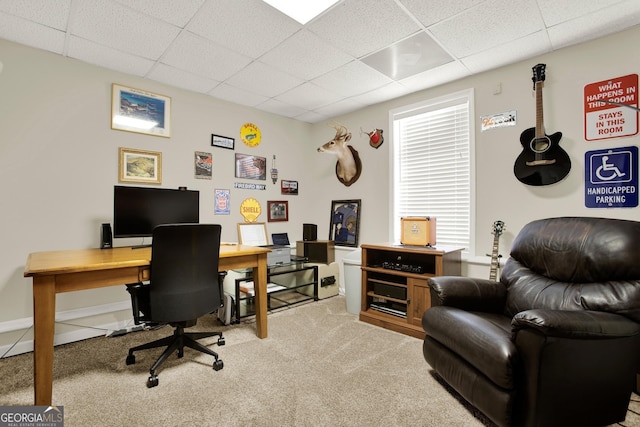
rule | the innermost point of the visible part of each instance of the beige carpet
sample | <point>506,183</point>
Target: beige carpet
<point>320,366</point>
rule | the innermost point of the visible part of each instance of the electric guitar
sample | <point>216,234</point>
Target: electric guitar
<point>542,161</point>
<point>498,228</point>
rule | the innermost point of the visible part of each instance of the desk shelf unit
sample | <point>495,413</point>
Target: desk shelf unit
<point>395,291</point>
<point>287,284</point>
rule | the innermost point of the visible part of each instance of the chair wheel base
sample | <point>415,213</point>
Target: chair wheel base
<point>218,364</point>
<point>152,381</point>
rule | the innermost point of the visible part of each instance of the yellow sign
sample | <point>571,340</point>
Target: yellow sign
<point>250,210</point>
<point>250,134</point>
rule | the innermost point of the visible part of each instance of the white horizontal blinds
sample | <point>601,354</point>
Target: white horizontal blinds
<point>434,168</point>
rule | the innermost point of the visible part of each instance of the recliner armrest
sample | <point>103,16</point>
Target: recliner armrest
<point>575,324</point>
<point>468,293</point>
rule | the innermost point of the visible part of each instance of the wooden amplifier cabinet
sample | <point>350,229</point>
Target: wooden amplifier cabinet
<point>320,251</point>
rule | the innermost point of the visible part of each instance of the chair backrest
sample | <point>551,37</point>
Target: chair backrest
<point>184,272</point>
<point>575,263</point>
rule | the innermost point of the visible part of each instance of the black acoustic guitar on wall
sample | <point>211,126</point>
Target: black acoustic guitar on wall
<point>542,161</point>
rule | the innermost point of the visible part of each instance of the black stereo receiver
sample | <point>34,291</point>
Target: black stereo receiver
<point>409,268</point>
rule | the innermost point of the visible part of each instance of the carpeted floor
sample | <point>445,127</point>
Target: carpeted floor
<point>319,366</point>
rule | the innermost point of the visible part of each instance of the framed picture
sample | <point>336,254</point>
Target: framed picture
<point>344,225</point>
<point>223,141</point>
<point>277,210</point>
<point>140,166</point>
<point>136,110</point>
<point>203,165</point>
<point>252,233</point>
<point>289,187</point>
<point>251,167</point>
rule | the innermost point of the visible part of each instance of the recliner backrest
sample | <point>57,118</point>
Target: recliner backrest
<point>575,263</point>
<point>184,271</point>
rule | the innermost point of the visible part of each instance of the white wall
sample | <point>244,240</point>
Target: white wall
<point>59,160</point>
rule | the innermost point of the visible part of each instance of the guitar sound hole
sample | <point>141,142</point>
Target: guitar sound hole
<point>540,145</point>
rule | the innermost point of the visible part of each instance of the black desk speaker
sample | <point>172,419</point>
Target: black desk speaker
<point>309,232</point>
<point>106,238</point>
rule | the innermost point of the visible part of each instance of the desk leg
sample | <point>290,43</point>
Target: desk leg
<point>44,309</point>
<point>260,291</point>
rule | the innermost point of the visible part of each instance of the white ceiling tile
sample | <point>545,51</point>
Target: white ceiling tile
<point>509,53</point>
<point>385,93</point>
<point>352,79</point>
<point>239,96</point>
<point>432,11</point>
<point>182,79</point>
<point>281,108</point>
<point>555,12</point>
<point>309,96</point>
<point>106,57</point>
<point>52,13</point>
<point>592,26</point>
<point>341,107</point>
<point>111,24</point>
<point>178,13</point>
<point>444,74</point>
<point>306,56</point>
<point>31,34</point>
<point>491,24</point>
<point>250,27</point>
<point>198,56</point>
<point>264,80</point>
<point>360,27</point>
<point>311,117</point>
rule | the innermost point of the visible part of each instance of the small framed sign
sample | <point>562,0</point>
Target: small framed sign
<point>223,141</point>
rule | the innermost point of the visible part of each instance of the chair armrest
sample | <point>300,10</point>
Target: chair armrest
<point>139,301</point>
<point>468,293</point>
<point>575,324</point>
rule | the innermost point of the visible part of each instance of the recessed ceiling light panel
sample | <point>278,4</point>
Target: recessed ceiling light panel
<point>300,10</point>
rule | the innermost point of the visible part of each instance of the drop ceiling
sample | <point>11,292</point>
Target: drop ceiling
<point>355,54</point>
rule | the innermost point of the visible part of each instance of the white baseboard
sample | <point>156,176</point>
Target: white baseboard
<point>81,333</point>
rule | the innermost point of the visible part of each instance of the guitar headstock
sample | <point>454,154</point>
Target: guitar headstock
<point>538,74</point>
<point>498,228</point>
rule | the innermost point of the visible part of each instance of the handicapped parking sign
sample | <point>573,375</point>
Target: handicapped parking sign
<point>611,178</point>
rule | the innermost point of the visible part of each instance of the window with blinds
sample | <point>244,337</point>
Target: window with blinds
<point>432,166</point>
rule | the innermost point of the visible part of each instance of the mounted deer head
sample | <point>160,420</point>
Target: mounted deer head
<point>348,167</point>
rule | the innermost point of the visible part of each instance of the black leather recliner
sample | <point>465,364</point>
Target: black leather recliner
<point>557,340</point>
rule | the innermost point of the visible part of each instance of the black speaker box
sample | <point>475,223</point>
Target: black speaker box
<point>309,232</point>
<point>106,238</point>
<point>390,291</point>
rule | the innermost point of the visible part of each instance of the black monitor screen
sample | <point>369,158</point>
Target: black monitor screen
<point>137,210</point>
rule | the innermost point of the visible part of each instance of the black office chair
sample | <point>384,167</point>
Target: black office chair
<point>184,285</point>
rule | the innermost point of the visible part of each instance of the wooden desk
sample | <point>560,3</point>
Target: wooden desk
<point>65,271</point>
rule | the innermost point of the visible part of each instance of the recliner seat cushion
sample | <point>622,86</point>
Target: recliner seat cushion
<point>482,339</point>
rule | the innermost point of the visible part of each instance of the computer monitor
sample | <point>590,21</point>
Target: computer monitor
<point>138,210</point>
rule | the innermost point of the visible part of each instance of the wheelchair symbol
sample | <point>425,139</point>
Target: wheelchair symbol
<point>608,171</point>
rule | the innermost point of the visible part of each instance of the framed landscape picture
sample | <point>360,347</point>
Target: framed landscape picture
<point>142,167</point>
<point>140,111</point>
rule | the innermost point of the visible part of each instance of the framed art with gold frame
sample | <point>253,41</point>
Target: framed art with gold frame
<point>139,166</point>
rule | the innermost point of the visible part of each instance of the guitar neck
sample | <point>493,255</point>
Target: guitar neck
<point>493,272</point>
<point>539,114</point>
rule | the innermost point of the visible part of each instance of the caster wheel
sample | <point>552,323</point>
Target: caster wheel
<point>152,381</point>
<point>131,359</point>
<point>180,354</point>
<point>218,364</point>
<point>221,341</point>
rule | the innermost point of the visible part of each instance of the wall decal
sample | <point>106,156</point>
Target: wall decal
<point>250,134</point>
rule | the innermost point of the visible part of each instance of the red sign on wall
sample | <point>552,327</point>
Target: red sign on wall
<point>604,116</point>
